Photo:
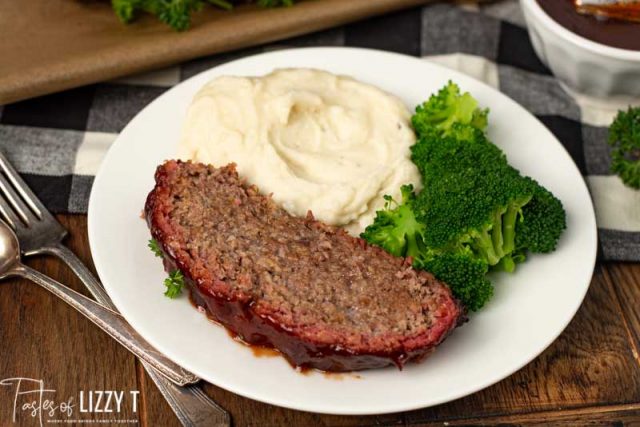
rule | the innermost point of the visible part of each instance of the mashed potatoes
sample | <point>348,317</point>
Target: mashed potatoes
<point>316,141</point>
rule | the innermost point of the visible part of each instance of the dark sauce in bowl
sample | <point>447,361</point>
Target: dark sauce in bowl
<point>608,31</point>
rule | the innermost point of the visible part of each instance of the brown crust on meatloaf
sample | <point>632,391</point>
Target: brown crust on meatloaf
<point>253,308</point>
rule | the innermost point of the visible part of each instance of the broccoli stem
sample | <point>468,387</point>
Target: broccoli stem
<point>507,263</point>
<point>518,257</point>
<point>483,244</point>
<point>413,250</point>
<point>410,229</point>
<point>496,233</point>
<point>509,224</point>
<point>509,228</point>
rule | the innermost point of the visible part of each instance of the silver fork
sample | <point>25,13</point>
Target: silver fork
<point>40,233</point>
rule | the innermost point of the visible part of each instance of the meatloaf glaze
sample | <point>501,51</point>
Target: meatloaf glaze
<point>324,299</point>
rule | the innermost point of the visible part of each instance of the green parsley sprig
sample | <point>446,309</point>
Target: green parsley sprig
<point>174,284</point>
<point>155,248</point>
<point>624,137</point>
<point>177,13</point>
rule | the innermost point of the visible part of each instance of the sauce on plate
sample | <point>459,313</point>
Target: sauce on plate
<point>263,351</point>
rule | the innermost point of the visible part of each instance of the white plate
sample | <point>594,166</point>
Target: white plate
<point>530,308</point>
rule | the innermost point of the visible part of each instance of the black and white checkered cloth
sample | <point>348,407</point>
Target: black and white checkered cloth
<point>58,141</point>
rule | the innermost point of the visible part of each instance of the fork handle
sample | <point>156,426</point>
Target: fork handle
<point>190,404</point>
<point>77,266</point>
<point>112,323</point>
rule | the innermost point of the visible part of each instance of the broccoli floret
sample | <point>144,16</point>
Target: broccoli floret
<point>543,221</point>
<point>464,147</point>
<point>447,107</point>
<point>465,275</point>
<point>476,213</point>
<point>395,228</point>
<point>624,137</point>
<point>472,197</point>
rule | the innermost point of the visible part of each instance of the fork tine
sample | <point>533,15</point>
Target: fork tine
<point>8,214</point>
<point>16,202</point>
<point>21,187</point>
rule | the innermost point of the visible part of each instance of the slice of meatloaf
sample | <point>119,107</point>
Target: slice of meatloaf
<point>324,299</point>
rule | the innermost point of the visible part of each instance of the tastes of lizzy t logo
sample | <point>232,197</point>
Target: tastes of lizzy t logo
<point>30,398</point>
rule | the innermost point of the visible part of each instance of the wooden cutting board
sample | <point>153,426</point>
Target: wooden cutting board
<point>52,45</point>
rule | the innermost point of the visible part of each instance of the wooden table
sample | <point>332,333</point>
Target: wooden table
<point>591,373</point>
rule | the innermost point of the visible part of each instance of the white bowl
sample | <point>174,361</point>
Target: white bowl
<point>583,65</point>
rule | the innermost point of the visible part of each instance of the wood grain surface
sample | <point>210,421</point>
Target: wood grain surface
<point>589,376</point>
<point>94,46</point>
